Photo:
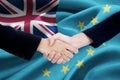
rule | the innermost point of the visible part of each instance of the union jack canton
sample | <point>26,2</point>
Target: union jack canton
<point>34,16</point>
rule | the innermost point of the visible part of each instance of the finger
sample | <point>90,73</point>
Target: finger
<point>68,54</point>
<point>51,55</point>
<point>63,61</point>
<point>71,48</point>
<point>60,60</point>
<point>55,36</point>
<point>56,57</point>
<point>45,55</point>
<point>66,58</point>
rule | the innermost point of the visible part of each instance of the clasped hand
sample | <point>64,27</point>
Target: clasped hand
<point>60,48</point>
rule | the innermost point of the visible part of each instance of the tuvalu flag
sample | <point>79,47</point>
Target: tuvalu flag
<point>72,17</point>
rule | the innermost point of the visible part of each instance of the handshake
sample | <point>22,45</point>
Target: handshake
<point>60,48</point>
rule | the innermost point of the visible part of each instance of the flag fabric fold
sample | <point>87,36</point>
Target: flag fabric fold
<point>72,17</point>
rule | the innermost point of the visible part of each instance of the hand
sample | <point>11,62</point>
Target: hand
<point>60,52</point>
<point>78,40</point>
<point>64,50</point>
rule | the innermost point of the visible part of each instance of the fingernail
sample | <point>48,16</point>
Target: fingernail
<point>58,62</point>
<point>75,52</point>
<point>53,61</point>
<point>49,59</point>
<point>63,63</point>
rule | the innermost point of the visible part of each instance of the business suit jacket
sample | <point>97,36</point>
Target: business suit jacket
<point>105,30</point>
<point>17,42</point>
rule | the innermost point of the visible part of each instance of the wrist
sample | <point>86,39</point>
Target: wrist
<point>42,45</point>
<point>81,40</point>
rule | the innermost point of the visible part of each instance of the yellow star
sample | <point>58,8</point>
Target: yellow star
<point>65,69</point>
<point>94,21</point>
<point>46,72</point>
<point>79,64</point>
<point>106,8</point>
<point>90,51</point>
<point>81,25</point>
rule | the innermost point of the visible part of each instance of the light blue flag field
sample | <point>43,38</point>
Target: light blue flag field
<point>73,16</point>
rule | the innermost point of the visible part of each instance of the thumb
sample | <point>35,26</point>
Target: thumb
<point>53,38</point>
<point>51,41</point>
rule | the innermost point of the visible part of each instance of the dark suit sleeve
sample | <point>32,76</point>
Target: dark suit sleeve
<point>17,42</point>
<point>105,30</point>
